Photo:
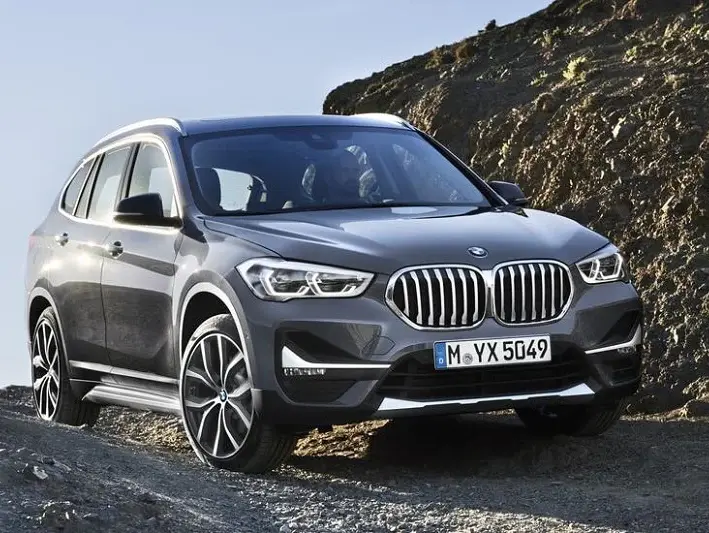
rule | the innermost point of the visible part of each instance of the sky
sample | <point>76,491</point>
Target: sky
<point>74,70</point>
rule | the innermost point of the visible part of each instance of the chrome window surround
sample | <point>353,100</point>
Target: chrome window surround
<point>489,277</point>
<point>161,121</point>
<point>132,139</point>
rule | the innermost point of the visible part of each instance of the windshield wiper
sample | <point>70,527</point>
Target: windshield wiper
<point>371,206</point>
<point>335,207</point>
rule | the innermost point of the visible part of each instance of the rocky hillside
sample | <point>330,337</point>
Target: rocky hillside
<point>598,108</point>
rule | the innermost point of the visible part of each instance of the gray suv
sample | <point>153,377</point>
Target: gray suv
<point>261,277</point>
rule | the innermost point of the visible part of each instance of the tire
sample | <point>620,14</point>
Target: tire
<point>216,402</point>
<point>573,420</point>
<point>51,389</point>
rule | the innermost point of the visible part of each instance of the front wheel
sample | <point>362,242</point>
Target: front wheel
<point>222,424</point>
<point>574,420</point>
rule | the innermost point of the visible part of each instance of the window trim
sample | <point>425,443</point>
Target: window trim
<point>128,175</point>
<point>95,154</point>
<point>121,177</point>
<point>89,174</point>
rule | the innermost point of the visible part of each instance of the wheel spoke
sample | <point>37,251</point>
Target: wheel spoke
<point>228,431</point>
<point>38,382</point>
<point>46,398</point>
<point>202,422</point>
<point>49,340</point>
<point>53,397</point>
<point>196,375</point>
<point>200,405</point>
<point>239,357</point>
<point>220,351</point>
<point>207,366</point>
<point>38,362</point>
<point>240,391</point>
<point>218,436</point>
<point>241,412</point>
<point>44,340</point>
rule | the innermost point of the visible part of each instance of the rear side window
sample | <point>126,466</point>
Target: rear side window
<point>108,179</point>
<point>71,194</point>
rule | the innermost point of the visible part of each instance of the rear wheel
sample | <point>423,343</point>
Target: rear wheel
<point>574,420</point>
<point>223,425</point>
<point>53,398</point>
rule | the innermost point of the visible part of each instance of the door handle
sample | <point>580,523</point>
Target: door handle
<point>114,249</point>
<point>61,239</point>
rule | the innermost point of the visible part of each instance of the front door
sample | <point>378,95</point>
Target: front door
<point>138,277</point>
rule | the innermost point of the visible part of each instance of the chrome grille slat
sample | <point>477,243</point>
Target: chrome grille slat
<point>419,298</point>
<point>523,318</point>
<point>464,284</point>
<point>429,285</point>
<point>406,295</point>
<point>531,292</point>
<point>442,293</point>
<point>533,269</point>
<point>476,315</point>
<point>454,321</point>
<point>544,286</point>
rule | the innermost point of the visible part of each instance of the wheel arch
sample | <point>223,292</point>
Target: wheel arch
<point>225,296</point>
<point>38,300</point>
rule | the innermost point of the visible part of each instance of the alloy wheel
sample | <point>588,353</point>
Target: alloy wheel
<point>45,370</point>
<point>217,399</point>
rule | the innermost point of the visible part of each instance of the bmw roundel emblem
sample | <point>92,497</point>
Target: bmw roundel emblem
<point>476,251</point>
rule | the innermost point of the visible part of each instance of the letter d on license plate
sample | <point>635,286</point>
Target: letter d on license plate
<point>491,352</point>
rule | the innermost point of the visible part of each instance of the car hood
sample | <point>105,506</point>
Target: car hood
<point>384,240</point>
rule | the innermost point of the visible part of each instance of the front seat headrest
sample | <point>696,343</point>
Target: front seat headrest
<point>209,184</point>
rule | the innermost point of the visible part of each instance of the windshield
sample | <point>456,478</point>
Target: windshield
<point>310,168</point>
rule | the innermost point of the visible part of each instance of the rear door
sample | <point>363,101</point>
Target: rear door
<point>75,272</point>
<point>138,279</point>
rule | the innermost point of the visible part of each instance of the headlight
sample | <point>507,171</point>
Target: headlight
<point>603,266</point>
<point>277,279</point>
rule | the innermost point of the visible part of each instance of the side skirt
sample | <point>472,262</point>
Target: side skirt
<point>109,385</point>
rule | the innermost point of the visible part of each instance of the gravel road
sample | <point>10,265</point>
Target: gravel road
<point>134,472</point>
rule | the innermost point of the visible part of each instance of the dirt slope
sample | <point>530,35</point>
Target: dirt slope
<point>598,108</point>
<point>134,472</point>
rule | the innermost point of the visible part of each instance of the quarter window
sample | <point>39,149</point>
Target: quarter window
<point>108,179</point>
<point>151,174</point>
<point>71,195</point>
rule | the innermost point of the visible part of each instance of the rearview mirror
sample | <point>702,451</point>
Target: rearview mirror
<point>510,192</point>
<point>144,210</point>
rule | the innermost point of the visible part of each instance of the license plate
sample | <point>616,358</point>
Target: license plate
<point>491,352</point>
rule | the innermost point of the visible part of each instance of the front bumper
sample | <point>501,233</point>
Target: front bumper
<point>323,362</point>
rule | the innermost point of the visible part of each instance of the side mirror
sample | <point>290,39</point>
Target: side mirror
<point>143,210</point>
<point>510,192</point>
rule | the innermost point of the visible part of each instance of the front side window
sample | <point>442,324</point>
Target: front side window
<point>305,168</point>
<point>151,174</point>
<point>108,179</point>
<point>71,194</point>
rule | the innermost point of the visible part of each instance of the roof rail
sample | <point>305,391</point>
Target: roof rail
<point>162,121</point>
<point>387,117</point>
